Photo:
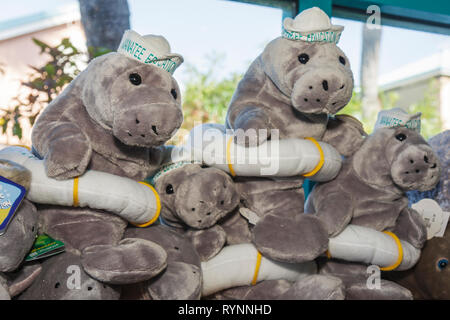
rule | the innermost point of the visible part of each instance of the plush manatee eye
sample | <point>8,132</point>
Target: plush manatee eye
<point>173,92</point>
<point>169,189</point>
<point>342,60</point>
<point>442,264</point>
<point>135,79</point>
<point>400,137</point>
<point>303,58</point>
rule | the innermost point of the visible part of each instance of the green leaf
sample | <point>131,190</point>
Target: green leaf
<point>95,52</point>
<point>17,130</point>
<point>41,44</point>
<point>50,69</point>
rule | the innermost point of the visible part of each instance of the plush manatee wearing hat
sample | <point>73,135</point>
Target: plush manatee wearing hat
<point>295,86</point>
<point>370,191</point>
<point>17,240</point>
<point>197,201</point>
<point>430,277</point>
<point>114,117</point>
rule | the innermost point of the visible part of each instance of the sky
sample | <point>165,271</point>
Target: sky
<point>201,28</point>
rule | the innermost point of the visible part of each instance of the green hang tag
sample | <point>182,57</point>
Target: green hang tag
<point>45,246</point>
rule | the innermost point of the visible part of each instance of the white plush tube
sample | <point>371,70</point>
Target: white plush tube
<point>131,200</point>
<point>361,244</point>
<point>215,147</point>
<point>236,265</point>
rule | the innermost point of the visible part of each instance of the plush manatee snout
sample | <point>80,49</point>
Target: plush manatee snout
<point>205,197</point>
<point>147,125</point>
<point>324,89</point>
<point>416,167</point>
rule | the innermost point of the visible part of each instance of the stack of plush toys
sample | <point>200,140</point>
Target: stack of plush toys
<point>210,219</point>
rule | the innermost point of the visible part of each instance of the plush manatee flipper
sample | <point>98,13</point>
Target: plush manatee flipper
<point>208,242</point>
<point>182,279</point>
<point>292,238</point>
<point>130,261</point>
<point>360,284</point>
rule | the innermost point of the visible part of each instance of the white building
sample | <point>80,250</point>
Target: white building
<point>412,81</point>
<point>18,52</point>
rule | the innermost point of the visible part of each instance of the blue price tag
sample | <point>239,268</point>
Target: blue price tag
<point>11,194</point>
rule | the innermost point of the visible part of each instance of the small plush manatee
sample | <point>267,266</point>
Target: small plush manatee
<point>195,201</point>
<point>370,191</point>
<point>430,277</point>
<point>370,188</point>
<point>296,86</point>
<point>113,117</point>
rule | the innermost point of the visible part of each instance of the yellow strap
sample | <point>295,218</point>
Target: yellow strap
<point>258,265</point>
<point>321,161</point>
<point>158,207</point>
<point>328,254</point>
<point>23,146</point>
<point>75,192</point>
<point>229,157</point>
<point>400,253</point>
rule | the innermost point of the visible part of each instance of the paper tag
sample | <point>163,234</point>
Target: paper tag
<point>45,246</point>
<point>435,219</point>
<point>11,194</point>
<point>248,214</point>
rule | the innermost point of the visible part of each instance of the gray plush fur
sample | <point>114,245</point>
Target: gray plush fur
<point>355,277</point>
<point>427,280</point>
<point>55,283</point>
<point>18,238</point>
<point>313,287</point>
<point>370,191</point>
<point>19,280</point>
<point>182,279</point>
<point>299,100</point>
<point>102,121</point>
<point>273,91</point>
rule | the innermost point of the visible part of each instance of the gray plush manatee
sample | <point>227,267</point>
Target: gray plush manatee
<point>370,188</point>
<point>16,242</point>
<point>370,191</point>
<point>430,277</point>
<point>196,201</point>
<point>114,117</point>
<point>295,87</point>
